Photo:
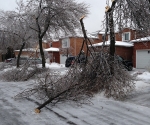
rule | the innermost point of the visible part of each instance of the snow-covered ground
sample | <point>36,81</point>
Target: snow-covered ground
<point>101,111</point>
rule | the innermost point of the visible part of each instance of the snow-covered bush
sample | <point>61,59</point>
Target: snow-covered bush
<point>21,74</point>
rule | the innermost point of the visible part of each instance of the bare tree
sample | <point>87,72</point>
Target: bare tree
<point>16,30</point>
<point>55,17</point>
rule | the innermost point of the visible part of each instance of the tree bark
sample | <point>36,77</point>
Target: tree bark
<point>112,34</point>
<point>42,52</point>
<point>20,54</point>
<point>112,37</point>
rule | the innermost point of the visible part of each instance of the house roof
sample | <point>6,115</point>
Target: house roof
<point>53,49</point>
<point>118,43</point>
<point>141,39</point>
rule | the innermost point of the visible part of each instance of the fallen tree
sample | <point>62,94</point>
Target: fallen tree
<point>84,80</point>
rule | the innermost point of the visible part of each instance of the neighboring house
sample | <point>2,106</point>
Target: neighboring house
<point>52,49</point>
<point>141,52</point>
<point>71,46</point>
<point>51,53</point>
<point>127,45</point>
<point>130,46</point>
<point>124,49</point>
<point>29,52</point>
<point>125,35</point>
<point>123,46</point>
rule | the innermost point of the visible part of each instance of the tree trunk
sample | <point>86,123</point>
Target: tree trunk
<point>112,42</point>
<point>112,35</point>
<point>42,52</point>
<point>20,54</point>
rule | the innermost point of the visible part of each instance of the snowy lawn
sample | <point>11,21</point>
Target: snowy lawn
<point>101,111</point>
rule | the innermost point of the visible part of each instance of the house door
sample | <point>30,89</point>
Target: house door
<point>142,58</point>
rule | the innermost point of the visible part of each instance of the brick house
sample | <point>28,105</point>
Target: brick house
<point>123,49</point>
<point>52,49</point>
<point>123,46</point>
<point>73,45</point>
<point>141,52</point>
<point>126,34</point>
<point>52,53</point>
<point>138,49</point>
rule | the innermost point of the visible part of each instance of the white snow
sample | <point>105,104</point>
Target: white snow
<point>145,76</point>
<point>53,65</point>
<point>101,111</point>
<point>53,49</point>
<point>29,49</point>
<point>88,35</point>
<point>141,39</point>
<point>117,43</point>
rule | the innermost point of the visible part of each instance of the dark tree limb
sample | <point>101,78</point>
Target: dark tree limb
<point>20,54</point>
<point>112,34</point>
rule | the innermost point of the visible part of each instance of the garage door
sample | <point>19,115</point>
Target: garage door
<point>142,58</point>
<point>62,59</point>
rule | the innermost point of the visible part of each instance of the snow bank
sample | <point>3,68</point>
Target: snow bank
<point>145,76</point>
<point>53,65</point>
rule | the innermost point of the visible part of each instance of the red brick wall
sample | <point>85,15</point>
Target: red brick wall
<point>56,57</point>
<point>133,33</point>
<point>76,44</point>
<point>118,36</point>
<point>125,52</point>
<point>56,44</point>
<point>45,45</point>
<point>139,46</point>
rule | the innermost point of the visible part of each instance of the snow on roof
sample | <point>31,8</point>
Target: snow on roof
<point>101,32</point>
<point>88,35</point>
<point>28,49</point>
<point>52,49</point>
<point>45,41</point>
<point>141,39</point>
<point>118,43</point>
<point>48,49</point>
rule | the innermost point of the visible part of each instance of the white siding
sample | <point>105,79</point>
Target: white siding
<point>62,59</point>
<point>142,58</point>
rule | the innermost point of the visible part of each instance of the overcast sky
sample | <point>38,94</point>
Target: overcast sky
<point>92,22</point>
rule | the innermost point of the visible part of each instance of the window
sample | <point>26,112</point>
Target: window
<point>126,36</point>
<point>65,43</point>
